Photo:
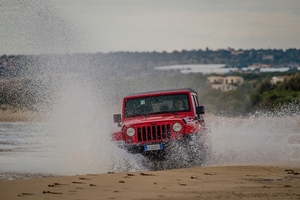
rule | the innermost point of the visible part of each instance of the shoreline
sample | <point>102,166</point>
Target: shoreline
<point>13,176</point>
<point>20,115</point>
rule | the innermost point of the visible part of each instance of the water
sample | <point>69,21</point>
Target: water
<point>84,147</point>
<point>20,145</point>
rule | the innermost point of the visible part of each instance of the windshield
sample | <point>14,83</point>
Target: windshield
<point>156,105</point>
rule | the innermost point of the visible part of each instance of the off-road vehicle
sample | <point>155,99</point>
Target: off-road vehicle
<point>163,125</point>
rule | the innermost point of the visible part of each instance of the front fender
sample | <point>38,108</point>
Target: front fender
<point>117,136</point>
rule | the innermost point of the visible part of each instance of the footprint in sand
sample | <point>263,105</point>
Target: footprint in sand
<point>144,174</point>
<point>24,194</point>
<point>76,182</point>
<point>49,192</point>
<point>84,179</point>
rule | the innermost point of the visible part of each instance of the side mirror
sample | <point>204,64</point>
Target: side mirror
<point>200,110</point>
<point>117,118</point>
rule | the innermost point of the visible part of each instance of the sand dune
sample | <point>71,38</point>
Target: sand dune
<point>222,182</point>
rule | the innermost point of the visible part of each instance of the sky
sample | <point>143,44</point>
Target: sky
<point>91,26</point>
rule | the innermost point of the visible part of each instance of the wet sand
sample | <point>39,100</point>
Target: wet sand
<point>221,182</point>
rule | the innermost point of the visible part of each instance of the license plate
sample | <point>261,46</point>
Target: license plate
<point>120,143</point>
<point>152,147</point>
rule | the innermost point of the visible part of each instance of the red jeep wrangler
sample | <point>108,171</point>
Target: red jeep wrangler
<point>164,125</point>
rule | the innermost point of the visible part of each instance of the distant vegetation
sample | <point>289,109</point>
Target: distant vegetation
<point>255,94</point>
<point>267,95</point>
<point>26,79</point>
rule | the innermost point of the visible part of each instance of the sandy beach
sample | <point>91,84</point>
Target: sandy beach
<point>220,182</point>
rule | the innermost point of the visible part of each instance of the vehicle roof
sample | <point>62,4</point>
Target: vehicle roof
<point>163,91</point>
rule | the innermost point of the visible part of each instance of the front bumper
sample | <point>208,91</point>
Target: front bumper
<point>140,148</point>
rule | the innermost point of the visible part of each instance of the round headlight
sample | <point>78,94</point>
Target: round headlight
<point>130,132</point>
<point>177,127</point>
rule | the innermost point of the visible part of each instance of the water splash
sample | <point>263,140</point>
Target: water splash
<point>264,138</point>
<point>81,124</point>
<point>75,132</point>
<point>37,27</point>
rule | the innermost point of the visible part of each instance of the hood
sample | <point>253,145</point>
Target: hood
<point>155,119</point>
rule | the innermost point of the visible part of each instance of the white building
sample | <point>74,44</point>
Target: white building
<point>225,83</point>
<point>197,68</point>
<point>223,87</point>
<point>276,79</point>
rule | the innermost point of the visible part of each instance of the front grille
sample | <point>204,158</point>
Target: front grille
<point>154,133</point>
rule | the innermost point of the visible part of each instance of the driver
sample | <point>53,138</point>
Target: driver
<point>178,104</point>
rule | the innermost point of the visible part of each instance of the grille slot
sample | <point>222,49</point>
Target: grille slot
<point>154,133</point>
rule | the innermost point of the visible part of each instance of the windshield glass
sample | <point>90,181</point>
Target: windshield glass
<point>156,105</point>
